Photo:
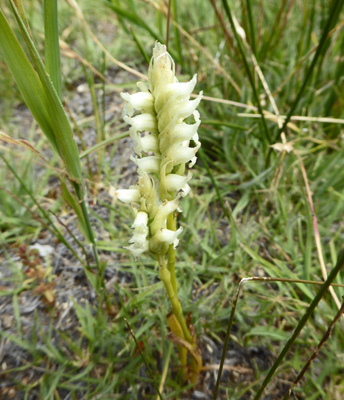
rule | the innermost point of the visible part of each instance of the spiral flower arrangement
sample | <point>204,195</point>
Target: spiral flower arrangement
<point>163,140</point>
<point>164,145</point>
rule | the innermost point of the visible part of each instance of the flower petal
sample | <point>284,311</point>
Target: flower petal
<point>176,182</point>
<point>141,101</point>
<point>163,211</point>
<point>147,164</point>
<point>128,195</point>
<point>165,236</point>
<point>141,221</point>
<point>142,122</point>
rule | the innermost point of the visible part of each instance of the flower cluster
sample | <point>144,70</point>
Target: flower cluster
<point>163,140</point>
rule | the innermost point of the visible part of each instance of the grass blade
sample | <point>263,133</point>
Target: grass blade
<point>316,351</point>
<point>337,6</point>
<point>177,34</point>
<point>267,136</point>
<point>252,28</point>
<point>61,126</point>
<point>301,324</point>
<point>134,18</point>
<point>144,358</point>
<point>52,48</point>
<point>62,129</point>
<point>139,45</point>
<point>26,79</point>
<point>53,228</point>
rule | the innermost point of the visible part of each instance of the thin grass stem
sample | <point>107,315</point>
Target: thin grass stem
<point>44,213</point>
<point>139,45</point>
<point>301,324</point>
<point>88,223</point>
<point>267,136</point>
<point>316,351</point>
<point>177,34</point>
<point>316,230</point>
<point>144,358</point>
<point>165,368</point>
<point>252,28</point>
<point>168,23</point>
<point>337,5</point>
<point>231,318</point>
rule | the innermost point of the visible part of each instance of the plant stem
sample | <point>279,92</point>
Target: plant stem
<point>165,277</point>
<point>88,223</point>
<point>171,263</point>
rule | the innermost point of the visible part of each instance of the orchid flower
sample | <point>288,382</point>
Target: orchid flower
<point>164,145</point>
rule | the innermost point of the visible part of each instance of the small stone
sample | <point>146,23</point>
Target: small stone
<point>7,321</point>
<point>198,395</point>
<point>43,249</point>
<point>210,349</point>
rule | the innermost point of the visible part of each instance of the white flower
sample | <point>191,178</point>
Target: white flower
<point>174,182</point>
<point>128,195</point>
<point>141,101</point>
<point>175,92</point>
<point>139,241</point>
<point>180,133</point>
<point>147,164</point>
<point>180,154</point>
<point>137,249</point>
<point>142,122</point>
<point>150,143</point>
<point>164,210</point>
<point>140,223</point>
<point>165,236</point>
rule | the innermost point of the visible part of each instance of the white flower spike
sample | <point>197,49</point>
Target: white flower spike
<point>156,117</point>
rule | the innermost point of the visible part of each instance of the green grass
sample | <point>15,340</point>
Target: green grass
<point>248,214</point>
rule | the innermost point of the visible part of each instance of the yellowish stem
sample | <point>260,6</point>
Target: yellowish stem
<point>165,277</point>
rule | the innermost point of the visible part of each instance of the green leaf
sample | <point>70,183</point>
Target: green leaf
<point>87,321</point>
<point>26,79</point>
<point>273,333</point>
<point>52,48</point>
<point>92,278</point>
<point>63,131</point>
<point>74,203</point>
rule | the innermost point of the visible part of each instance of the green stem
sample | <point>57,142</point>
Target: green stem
<point>165,277</point>
<point>171,263</point>
<point>251,24</point>
<point>88,223</point>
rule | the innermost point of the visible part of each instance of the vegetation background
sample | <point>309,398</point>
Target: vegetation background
<point>267,200</point>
